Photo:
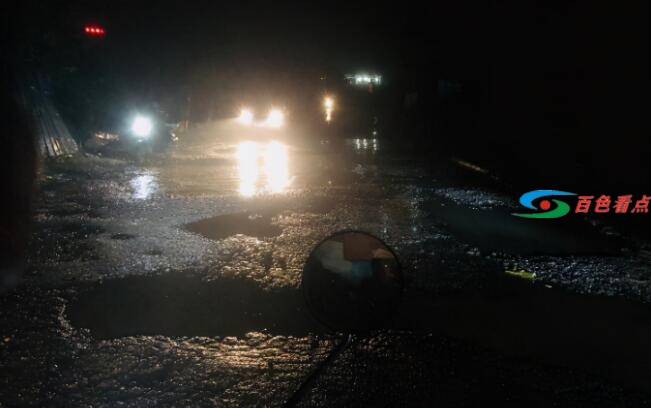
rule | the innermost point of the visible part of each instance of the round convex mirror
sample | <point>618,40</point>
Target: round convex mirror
<point>352,282</point>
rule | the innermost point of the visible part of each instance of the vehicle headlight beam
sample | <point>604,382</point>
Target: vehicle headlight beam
<point>246,116</point>
<point>276,118</point>
<point>142,126</point>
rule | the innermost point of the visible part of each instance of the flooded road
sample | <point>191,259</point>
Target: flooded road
<point>177,282</point>
<point>177,305</point>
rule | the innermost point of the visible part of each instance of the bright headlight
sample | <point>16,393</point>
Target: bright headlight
<point>329,103</point>
<point>246,116</point>
<point>142,126</point>
<point>276,118</point>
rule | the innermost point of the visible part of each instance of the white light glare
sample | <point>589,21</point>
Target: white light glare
<point>276,167</point>
<point>367,79</point>
<point>329,105</point>
<point>262,168</point>
<point>246,116</point>
<point>276,118</point>
<point>142,126</point>
<point>247,158</point>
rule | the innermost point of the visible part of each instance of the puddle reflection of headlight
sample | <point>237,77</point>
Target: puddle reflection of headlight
<point>247,159</point>
<point>276,167</point>
<point>144,186</point>
<point>272,162</point>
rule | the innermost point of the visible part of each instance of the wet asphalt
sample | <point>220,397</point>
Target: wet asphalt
<point>175,281</point>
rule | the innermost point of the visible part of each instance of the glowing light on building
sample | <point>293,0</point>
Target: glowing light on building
<point>364,79</point>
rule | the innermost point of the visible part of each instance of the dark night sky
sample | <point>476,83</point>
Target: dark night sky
<point>258,33</point>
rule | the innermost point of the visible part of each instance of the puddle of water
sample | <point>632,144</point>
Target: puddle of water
<point>262,168</point>
<point>498,230</point>
<point>608,337</point>
<point>144,186</point>
<point>122,236</point>
<point>364,145</point>
<point>602,335</point>
<point>223,226</point>
<point>175,305</point>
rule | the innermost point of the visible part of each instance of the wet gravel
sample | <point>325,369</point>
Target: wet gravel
<point>101,221</point>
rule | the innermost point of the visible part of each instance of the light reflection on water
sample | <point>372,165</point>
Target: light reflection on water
<point>262,168</point>
<point>247,160</point>
<point>364,144</point>
<point>144,186</point>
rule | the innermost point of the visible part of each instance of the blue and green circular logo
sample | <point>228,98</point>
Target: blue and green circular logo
<point>562,208</point>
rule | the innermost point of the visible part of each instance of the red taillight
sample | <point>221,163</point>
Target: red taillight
<point>94,31</point>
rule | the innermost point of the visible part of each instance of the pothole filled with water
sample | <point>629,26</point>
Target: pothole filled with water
<point>223,226</point>
<point>498,230</point>
<point>607,336</point>
<point>176,305</point>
